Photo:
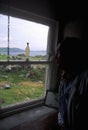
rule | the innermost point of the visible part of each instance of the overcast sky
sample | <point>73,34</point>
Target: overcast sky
<point>21,32</point>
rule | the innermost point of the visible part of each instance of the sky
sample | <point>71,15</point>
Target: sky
<point>23,31</point>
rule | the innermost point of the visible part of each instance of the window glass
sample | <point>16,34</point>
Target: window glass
<point>27,42</point>
<point>3,37</point>
<point>20,83</point>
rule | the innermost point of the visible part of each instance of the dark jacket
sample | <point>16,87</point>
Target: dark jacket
<point>73,106</point>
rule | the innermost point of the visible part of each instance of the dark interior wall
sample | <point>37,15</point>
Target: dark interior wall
<point>43,8</point>
<point>75,28</point>
<point>54,9</point>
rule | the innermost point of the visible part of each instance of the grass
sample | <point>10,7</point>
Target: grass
<point>22,88</point>
<point>22,91</point>
<point>3,57</point>
<point>22,57</point>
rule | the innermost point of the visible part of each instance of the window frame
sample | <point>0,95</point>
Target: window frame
<point>51,50</point>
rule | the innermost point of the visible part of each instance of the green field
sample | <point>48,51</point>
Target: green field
<point>22,91</point>
<point>22,87</point>
<point>22,57</point>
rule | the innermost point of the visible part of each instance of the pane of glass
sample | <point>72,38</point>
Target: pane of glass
<point>23,34</point>
<point>3,36</point>
<point>19,83</point>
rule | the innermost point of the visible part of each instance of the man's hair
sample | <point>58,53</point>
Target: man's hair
<point>73,54</point>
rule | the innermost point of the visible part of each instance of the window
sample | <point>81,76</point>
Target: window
<point>25,75</point>
<point>16,34</point>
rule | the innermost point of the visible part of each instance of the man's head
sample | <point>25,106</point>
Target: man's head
<point>72,54</point>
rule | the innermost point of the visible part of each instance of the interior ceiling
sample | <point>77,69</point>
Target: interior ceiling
<point>54,9</point>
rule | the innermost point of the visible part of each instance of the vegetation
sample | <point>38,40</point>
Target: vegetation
<point>21,91</point>
<point>25,82</point>
<point>3,57</point>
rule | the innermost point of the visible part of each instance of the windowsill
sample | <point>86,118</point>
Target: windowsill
<point>30,118</point>
<point>18,108</point>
